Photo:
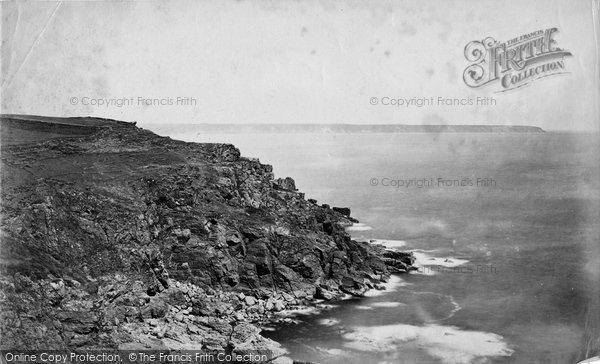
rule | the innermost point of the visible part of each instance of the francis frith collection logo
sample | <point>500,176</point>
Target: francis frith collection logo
<point>516,62</point>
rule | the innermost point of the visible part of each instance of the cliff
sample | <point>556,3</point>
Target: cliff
<point>114,237</point>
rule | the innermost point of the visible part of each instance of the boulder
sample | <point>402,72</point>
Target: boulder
<point>404,257</point>
<point>279,305</point>
<point>286,184</point>
<point>342,210</point>
<point>323,294</point>
<point>353,287</point>
<point>270,304</point>
<point>156,308</point>
<point>193,329</point>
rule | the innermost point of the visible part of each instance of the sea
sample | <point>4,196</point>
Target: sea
<point>505,228</point>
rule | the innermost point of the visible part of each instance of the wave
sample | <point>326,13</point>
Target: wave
<point>387,304</point>
<point>388,244</point>
<point>455,308</point>
<point>450,344</point>
<point>328,322</point>
<point>424,260</point>
<point>358,226</point>
<point>391,285</point>
<point>307,311</point>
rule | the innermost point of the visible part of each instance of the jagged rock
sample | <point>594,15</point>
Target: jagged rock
<point>353,287</point>
<point>156,308</point>
<point>194,329</point>
<point>286,183</point>
<point>287,297</point>
<point>342,210</point>
<point>270,304</point>
<point>250,301</point>
<point>323,294</point>
<point>77,321</point>
<point>404,257</point>
<point>328,227</point>
<point>279,305</point>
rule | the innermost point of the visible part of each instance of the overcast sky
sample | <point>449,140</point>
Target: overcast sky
<point>288,61</point>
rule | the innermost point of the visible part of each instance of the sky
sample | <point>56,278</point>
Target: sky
<point>290,61</point>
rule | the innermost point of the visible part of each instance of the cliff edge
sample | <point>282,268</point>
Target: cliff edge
<point>114,237</point>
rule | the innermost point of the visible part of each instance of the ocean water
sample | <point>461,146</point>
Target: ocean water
<point>505,227</point>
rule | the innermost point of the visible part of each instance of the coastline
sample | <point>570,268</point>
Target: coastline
<point>170,246</point>
<point>435,337</point>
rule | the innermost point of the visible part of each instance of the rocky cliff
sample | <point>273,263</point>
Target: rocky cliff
<point>114,237</point>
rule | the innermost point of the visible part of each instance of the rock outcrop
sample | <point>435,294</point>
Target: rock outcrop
<point>114,237</point>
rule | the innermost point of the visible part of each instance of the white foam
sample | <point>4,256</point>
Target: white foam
<point>387,304</point>
<point>455,307</point>
<point>424,260</point>
<point>389,244</point>
<point>346,297</point>
<point>358,226</point>
<point>305,311</point>
<point>448,343</point>
<point>334,352</point>
<point>283,360</point>
<point>448,262</point>
<point>328,322</point>
<point>391,285</point>
<point>301,312</point>
<point>594,360</point>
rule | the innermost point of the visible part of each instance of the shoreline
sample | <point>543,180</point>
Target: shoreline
<point>440,341</point>
<point>171,245</point>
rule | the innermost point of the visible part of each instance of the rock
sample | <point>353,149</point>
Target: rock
<point>396,266</point>
<point>250,301</point>
<point>286,183</point>
<point>342,210</point>
<point>79,322</point>
<point>353,287</point>
<point>57,285</point>
<point>406,258</point>
<point>399,262</point>
<point>328,227</point>
<point>156,308</point>
<point>279,305</point>
<point>269,305</point>
<point>152,322</point>
<point>193,329</point>
<point>182,233</point>
<point>323,294</point>
<point>287,297</point>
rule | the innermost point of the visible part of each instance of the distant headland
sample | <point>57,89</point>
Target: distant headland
<point>355,128</point>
